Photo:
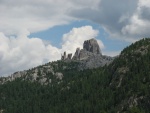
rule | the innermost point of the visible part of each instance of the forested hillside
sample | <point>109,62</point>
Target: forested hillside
<point>122,86</point>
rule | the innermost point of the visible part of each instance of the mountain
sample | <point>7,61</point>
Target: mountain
<point>87,58</point>
<point>122,85</point>
<point>130,77</point>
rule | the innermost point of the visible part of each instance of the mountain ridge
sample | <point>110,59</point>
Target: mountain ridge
<point>87,58</point>
<point>120,87</point>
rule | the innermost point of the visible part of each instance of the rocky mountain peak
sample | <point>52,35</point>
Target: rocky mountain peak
<point>90,56</point>
<point>92,46</point>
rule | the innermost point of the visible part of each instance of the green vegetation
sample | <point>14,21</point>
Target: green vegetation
<point>122,86</point>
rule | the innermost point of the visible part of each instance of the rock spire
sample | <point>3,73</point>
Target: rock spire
<point>92,46</point>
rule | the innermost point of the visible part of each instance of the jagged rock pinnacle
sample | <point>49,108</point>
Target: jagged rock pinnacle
<point>66,57</point>
<point>63,57</point>
<point>76,55</point>
<point>69,56</point>
<point>92,46</point>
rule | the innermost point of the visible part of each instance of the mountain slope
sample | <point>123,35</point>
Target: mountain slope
<point>131,76</point>
<point>122,86</point>
<point>87,58</point>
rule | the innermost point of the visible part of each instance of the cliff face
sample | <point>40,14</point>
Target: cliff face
<point>92,46</point>
<point>90,56</point>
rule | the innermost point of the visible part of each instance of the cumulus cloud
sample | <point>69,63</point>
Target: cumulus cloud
<point>111,15</point>
<point>36,15</point>
<point>139,23</point>
<point>128,20</point>
<point>19,53</point>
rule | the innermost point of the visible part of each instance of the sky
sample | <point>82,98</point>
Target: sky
<point>34,32</point>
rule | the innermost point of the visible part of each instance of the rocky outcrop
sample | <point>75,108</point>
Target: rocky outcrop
<point>76,55</point>
<point>69,56</point>
<point>59,75</point>
<point>90,56</point>
<point>84,54</point>
<point>92,46</point>
<point>95,61</point>
<point>39,74</point>
<point>66,57</point>
<point>63,57</point>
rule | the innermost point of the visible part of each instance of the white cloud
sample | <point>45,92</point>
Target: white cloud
<point>111,15</point>
<point>36,15</point>
<point>30,15</point>
<point>19,53</point>
<point>144,3</point>
<point>22,53</point>
<point>139,24</point>
<point>128,19</point>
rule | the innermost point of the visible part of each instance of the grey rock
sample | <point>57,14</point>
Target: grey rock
<point>92,46</point>
<point>43,80</point>
<point>63,57</point>
<point>19,74</point>
<point>50,80</point>
<point>59,75</point>
<point>66,57</point>
<point>34,76</point>
<point>94,61</point>
<point>84,54</point>
<point>90,56</point>
<point>69,56</point>
<point>76,55</point>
